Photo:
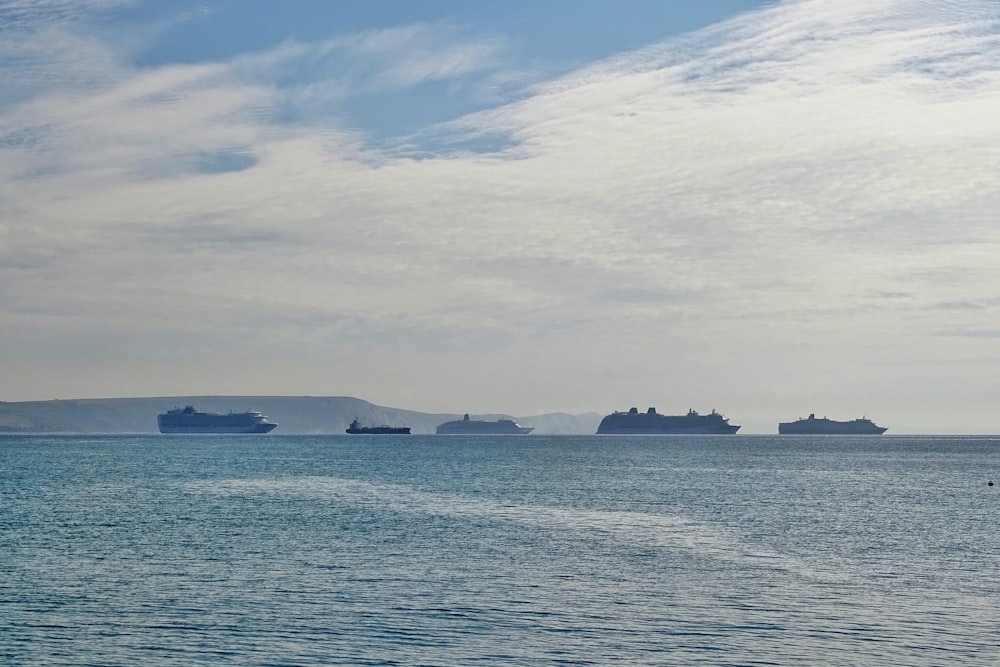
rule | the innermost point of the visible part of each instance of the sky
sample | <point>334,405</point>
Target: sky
<point>767,208</point>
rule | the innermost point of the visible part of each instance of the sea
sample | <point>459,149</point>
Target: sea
<point>504,550</point>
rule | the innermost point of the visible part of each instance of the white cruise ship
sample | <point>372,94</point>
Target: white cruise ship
<point>189,420</point>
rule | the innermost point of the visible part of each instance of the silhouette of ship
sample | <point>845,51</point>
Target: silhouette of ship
<point>823,426</point>
<point>189,420</point>
<point>357,429</point>
<point>650,422</point>
<point>478,427</point>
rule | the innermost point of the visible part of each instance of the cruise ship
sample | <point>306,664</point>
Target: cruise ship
<point>650,422</point>
<point>823,426</point>
<point>357,429</point>
<point>468,426</point>
<point>189,420</point>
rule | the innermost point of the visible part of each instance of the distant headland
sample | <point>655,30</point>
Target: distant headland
<point>296,415</point>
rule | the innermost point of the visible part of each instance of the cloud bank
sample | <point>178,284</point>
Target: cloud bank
<point>788,212</point>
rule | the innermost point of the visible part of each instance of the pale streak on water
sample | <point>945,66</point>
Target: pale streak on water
<point>635,528</point>
<point>498,551</point>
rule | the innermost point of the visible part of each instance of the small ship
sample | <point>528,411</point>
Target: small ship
<point>468,426</point>
<point>189,420</point>
<point>650,422</point>
<point>823,426</point>
<point>357,429</point>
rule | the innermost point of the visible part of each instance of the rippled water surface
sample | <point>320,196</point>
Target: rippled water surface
<point>423,550</point>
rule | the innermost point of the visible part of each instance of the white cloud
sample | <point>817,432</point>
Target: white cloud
<point>774,212</point>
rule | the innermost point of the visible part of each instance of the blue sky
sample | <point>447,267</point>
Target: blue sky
<point>767,208</point>
<point>507,46</point>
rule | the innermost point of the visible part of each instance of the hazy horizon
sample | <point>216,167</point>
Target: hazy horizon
<point>750,425</point>
<point>764,208</point>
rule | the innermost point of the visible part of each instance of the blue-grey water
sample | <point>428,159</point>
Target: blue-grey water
<point>533,550</point>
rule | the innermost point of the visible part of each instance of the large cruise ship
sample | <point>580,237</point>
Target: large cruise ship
<point>189,420</point>
<point>823,426</point>
<point>478,427</point>
<point>650,422</point>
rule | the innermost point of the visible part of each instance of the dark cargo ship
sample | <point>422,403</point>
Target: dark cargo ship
<point>357,429</point>
<point>650,422</point>
<point>823,426</point>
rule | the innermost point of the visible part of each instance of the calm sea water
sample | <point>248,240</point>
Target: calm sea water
<point>423,550</point>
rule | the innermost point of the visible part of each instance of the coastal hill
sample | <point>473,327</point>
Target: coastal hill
<point>294,415</point>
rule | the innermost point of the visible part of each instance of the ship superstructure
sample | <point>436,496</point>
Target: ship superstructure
<point>651,422</point>
<point>822,426</point>
<point>357,429</point>
<point>481,427</point>
<point>189,420</point>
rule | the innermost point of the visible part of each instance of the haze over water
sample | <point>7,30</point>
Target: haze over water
<point>498,550</point>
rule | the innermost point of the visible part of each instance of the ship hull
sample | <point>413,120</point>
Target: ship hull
<point>220,429</point>
<point>522,430</point>
<point>728,429</point>
<point>477,427</point>
<point>380,430</point>
<point>793,428</point>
